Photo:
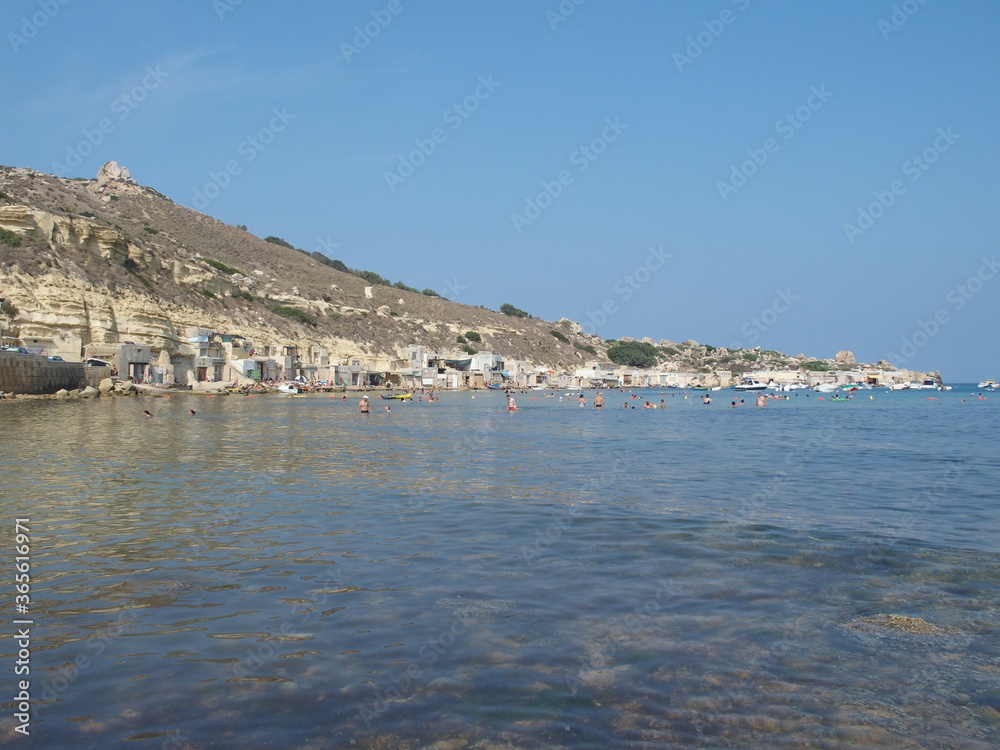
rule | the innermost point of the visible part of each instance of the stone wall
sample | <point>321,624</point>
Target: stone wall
<point>33,374</point>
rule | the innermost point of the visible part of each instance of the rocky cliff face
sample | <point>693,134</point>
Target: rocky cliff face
<point>105,261</point>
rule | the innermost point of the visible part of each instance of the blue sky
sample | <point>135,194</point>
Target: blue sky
<point>806,177</point>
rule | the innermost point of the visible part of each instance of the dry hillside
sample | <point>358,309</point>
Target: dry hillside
<point>107,259</point>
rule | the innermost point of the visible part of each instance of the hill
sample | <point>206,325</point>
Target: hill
<point>107,260</point>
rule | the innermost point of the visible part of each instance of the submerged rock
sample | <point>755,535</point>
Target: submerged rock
<point>904,624</point>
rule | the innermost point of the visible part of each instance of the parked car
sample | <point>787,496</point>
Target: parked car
<point>18,349</point>
<point>55,358</point>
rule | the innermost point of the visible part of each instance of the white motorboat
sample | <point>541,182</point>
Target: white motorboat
<point>988,384</point>
<point>750,384</point>
<point>796,386</point>
<point>900,387</point>
<point>826,387</point>
<point>288,388</point>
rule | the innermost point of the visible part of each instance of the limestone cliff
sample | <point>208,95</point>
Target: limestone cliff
<point>88,263</point>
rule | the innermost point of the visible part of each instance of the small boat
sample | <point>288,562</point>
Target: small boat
<point>900,387</point>
<point>796,386</point>
<point>750,384</point>
<point>826,388</point>
<point>397,396</point>
<point>288,388</point>
<point>988,384</point>
<point>495,386</point>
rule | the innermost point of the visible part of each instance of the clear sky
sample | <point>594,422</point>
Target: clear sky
<point>800,176</point>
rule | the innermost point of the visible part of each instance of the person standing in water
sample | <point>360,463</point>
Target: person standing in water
<point>598,400</point>
<point>761,399</point>
<point>511,406</point>
<point>363,406</point>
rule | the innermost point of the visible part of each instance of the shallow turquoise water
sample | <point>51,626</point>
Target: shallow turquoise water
<point>278,572</point>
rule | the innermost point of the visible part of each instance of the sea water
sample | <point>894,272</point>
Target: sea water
<point>284,572</point>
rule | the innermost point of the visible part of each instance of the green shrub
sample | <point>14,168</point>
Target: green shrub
<point>815,366</point>
<point>150,230</point>
<point>8,309</point>
<point>295,313</point>
<point>469,350</point>
<point>279,242</point>
<point>372,277</point>
<point>585,348</point>
<point>560,335</point>
<point>633,354</point>
<point>208,293</point>
<point>473,336</point>
<point>461,339</point>
<point>9,238</point>
<point>219,266</point>
<point>508,309</point>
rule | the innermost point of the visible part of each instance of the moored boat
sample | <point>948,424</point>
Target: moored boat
<point>750,384</point>
<point>397,396</point>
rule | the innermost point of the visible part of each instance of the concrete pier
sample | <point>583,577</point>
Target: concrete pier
<point>35,374</point>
